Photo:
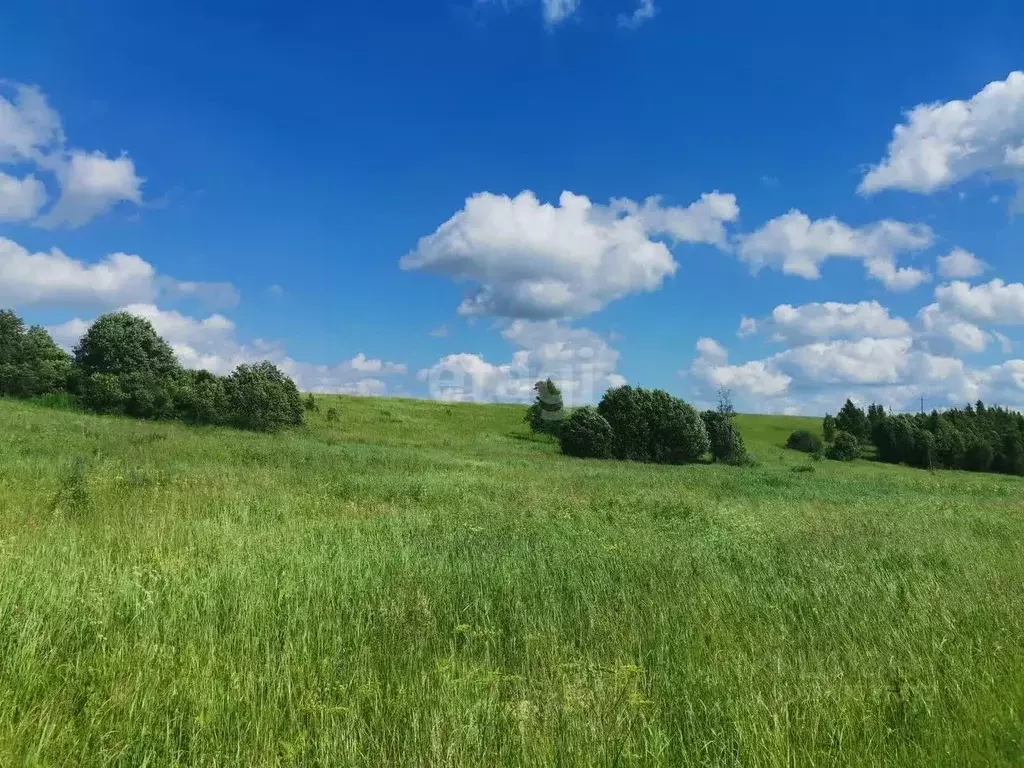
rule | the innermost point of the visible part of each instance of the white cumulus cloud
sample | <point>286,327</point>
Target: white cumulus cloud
<point>91,183</point>
<point>20,199</point>
<point>52,278</point>
<point>959,263</point>
<point>532,260</point>
<point>798,245</point>
<point>581,362</point>
<point>829,320</point>
<point>943,143</point>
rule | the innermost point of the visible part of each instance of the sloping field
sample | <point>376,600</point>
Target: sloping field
<point>419,583</point>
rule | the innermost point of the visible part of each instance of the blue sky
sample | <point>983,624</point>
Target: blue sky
<point>452,198</point>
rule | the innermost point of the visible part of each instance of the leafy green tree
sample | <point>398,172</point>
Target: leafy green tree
<point>586,434</point>
<point>261,397</point>
<point>31,363</point>
<point>853,420</point>
<point>725,439</point>
<point>828,427</point>
<point>844,448</point>
<point>924,455</point>
<point>547,413</point>
<point>125,367</point>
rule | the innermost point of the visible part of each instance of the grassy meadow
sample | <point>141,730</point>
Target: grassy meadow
<point>428,584</point>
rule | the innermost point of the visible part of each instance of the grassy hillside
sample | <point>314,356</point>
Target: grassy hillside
<point>429,584</point>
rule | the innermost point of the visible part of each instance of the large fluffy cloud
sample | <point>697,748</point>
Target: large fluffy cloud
<point>211,344</point>
<point>91,183</point>
<point>942,143</point>
<point>532,260</point>
<point>827,320</point>
<point>53,278</point>
<point>798,245</point>
<point>580,361</point>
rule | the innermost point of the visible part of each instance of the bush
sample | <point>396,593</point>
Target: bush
<point>844,448</point>
<point>725,440</point>
<point>627,409</point>
<point>547,413</point>
<point>653,426</point>
<point>586,434</point>
<point>678,432</point>
<point>310,403</point>
<point>201,397</point>
<point>804,441</point>
<point>262,398</point>
<point>332,414</point>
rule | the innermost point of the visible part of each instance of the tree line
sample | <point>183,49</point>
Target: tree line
<point>636,424</point>
<point>976,438</point>
<point>121,365</point>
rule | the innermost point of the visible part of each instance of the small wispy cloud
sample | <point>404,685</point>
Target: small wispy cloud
<point>643,13</point>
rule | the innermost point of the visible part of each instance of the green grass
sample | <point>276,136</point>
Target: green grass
<point>429,584</point>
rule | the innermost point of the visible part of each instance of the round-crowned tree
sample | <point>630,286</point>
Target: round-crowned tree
<point>805,441</point>
<point>586,434</point>
<point>262,398</point>
<point>844,448</point>
<point>124,366</point>
<point>547,413</point>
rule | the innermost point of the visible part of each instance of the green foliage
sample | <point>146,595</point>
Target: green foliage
<point>828,428</point>
<point>978,438</point>
<point>653,426</point>
<point>123,366</point>
<point>853,420</point>
<point>309,403</point>
<point>726,442</point>
<point>332,414</point>
<point>260,397</point>
<point>122,344</point>
<point>924,455</point>
<point>586,435</point>
<point>547,413</point>
<point>979,456</point>
<point>805,441</point>
<point>200,397</point>
<point>31,364</point>
<point>844,448</point>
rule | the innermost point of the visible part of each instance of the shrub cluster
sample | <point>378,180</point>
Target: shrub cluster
<point>639,425</point>
<point>121,365</point>
<point>976,438</point>
<point>805,441</point>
